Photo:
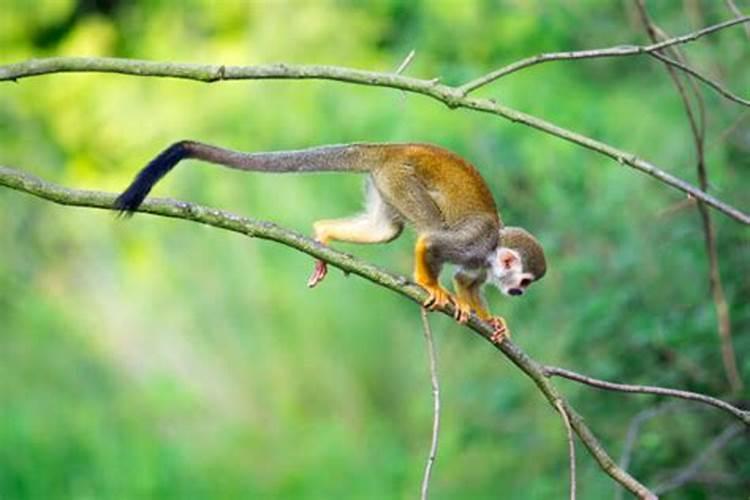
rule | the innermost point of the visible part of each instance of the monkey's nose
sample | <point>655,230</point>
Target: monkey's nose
<point>515,291</point>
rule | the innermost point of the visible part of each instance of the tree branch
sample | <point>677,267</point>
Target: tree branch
<point>432,455</point>
<point>743,415</point>
<point>452,97</point>
<point>708,81</point>
<point>406,62</point>
<point>21,181</point>
<point>619,51</point>
<point>732,7</point>
<point>571,449</point>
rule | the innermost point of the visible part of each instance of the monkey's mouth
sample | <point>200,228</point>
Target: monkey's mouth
<point>509,291</point>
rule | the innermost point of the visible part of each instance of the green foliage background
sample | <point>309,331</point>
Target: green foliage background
<point>155,358</point>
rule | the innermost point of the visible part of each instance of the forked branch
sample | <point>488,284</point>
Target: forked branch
<point>619,51</point>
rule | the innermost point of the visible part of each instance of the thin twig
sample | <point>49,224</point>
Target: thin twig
<point>571,449</point>
<point>708,81</point>
<point>723,320</point>
<point>425,492</point>
<point>619,51</point>
<point>406,62</point>
<point>21,181</point>
<point>730,129</point>
<point>554,371</point>
<point>686,474</point>
<point>450,96</point>
<point>729,359</point>
<point>632,435</point>
<point>733,7</point>
<point>697,123</point>
<point>681,205</point>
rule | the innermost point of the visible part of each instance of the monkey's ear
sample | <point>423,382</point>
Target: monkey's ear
<point>507,258</point>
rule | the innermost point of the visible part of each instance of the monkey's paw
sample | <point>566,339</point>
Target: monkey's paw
<point>320,271</point>
<point>500,329</point>
<point>461,311</point>
<point>439,297</point>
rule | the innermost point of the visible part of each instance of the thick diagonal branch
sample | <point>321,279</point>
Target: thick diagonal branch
<point>21,181</point>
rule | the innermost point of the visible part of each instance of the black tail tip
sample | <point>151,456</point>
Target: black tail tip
<point>128,202</point>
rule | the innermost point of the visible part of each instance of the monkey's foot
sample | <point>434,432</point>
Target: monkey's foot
<point>320,271</point>
<point>439,297</point>
<point>500,330</point>
<point>461,310</point>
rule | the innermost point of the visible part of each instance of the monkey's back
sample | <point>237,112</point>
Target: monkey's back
<point>453,185</point>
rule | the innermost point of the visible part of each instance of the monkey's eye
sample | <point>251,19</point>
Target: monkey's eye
<point>525,282</point>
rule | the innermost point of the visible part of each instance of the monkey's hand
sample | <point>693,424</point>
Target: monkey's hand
<point>438,296</point>
<point>320,271</point>
<point>500,329</point>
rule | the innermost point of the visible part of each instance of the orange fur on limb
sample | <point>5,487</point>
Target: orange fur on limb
<point>424,277</point>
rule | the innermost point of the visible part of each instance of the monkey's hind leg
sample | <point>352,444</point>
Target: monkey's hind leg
<point>377,225</point>
<point>359,229</point>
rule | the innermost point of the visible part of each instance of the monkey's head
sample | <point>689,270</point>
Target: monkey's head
<point>518,261</point>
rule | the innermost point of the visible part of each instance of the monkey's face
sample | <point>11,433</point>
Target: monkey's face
<point>507,272</point>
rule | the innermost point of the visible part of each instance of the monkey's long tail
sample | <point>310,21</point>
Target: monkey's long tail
<point>346,157</point>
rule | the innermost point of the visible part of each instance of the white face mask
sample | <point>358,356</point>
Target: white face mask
<point>507,273</point>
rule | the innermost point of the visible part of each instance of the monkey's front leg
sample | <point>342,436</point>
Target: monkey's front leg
<point>469,298</point>
<point>427,277</point>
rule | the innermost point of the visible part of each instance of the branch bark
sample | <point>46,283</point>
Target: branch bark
<point>452,97</point>
<point>221,219</point>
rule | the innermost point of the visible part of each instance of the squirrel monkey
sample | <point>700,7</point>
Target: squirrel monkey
<point>439,193</point>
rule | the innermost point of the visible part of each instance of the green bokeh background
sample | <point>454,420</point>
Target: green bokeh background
<point>155,358</point>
